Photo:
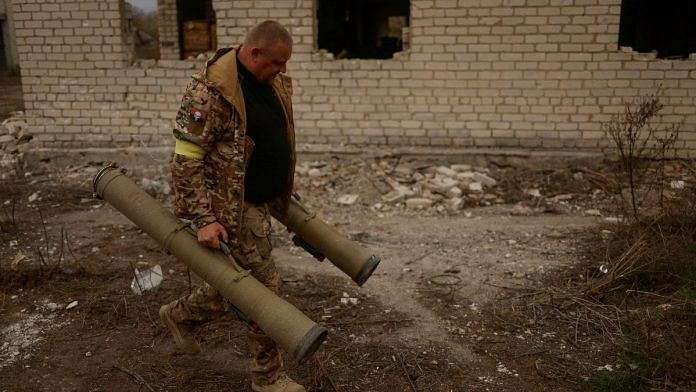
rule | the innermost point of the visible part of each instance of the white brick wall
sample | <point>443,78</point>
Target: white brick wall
<point>480,73</point>
<point>168,29</point>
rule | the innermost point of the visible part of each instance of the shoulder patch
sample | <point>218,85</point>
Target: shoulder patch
<point>198,105</point>
<point>198,115</point>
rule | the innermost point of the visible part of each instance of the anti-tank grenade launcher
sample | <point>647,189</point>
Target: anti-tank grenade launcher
<point>288,326</point>
<point>322,240</point>
<point>294,331</point>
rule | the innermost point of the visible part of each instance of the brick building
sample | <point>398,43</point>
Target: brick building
<point>531,74</point>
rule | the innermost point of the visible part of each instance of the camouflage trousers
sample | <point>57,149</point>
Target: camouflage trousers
<point>206,303</point>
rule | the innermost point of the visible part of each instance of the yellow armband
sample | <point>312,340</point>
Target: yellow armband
<point>189,149</point>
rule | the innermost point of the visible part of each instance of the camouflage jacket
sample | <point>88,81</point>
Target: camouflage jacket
<point>212,150</point>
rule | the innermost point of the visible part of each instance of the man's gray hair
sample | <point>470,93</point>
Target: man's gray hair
<point>266,33</point>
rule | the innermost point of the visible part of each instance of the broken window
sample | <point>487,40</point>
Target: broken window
<point>366,29</point>
<point>143,28</point>
<point>197,28</point>
<point>170,29</point>
<point>4,63</point>
<point>665,27</point>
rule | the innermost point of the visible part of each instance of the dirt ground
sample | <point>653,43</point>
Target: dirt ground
<point>426,320</point>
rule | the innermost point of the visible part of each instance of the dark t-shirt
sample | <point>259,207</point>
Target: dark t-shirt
<point>268,173</point>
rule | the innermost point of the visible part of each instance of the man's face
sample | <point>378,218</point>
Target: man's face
<point>270,61</point>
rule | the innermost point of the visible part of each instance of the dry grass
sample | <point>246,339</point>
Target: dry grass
<point>637,294</point>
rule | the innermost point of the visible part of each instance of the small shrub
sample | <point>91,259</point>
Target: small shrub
<point>642,148</point>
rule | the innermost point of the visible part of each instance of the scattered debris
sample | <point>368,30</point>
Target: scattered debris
<point>677,184</point>
<point>33,197</point>
<point>476,187</point>
<point>22,336</point>
<point>484,179</point>
<point>146,279</point>
<point>14,141</point>
<point>501,368</point>
<point>347,200</point>
<point>18,259</point>
<point>419,203</point>
<point>593,212</point>
<point>347,299</point>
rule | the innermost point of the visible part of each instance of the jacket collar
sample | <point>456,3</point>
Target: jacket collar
<point>221,71</point>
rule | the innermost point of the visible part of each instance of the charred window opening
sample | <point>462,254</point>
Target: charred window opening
<point>665,27</point>
<point>197,27</point>
<point>366,29</point>
<point>4,66</point>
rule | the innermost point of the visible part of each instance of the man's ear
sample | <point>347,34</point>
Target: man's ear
<point>255,52</point>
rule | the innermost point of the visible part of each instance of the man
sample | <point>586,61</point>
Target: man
<point>234,159</point>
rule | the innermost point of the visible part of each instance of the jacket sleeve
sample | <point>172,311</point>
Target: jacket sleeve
<point>199,123</point>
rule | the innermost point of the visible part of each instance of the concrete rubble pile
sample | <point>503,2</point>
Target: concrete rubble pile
<point>418,187</point>
<point>14,141</point>
<point>438,186</point>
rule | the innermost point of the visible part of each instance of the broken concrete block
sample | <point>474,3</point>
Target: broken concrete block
<point>313,173</point>
<point>440,185</point>
<point>403,171</point>
<point>475,187</point>
<point>15,123</point>
<point>394,197</point>
<point>454,192</point>
<point>418,203</point>
<point>564,197</point>
<point>392,182</point>
<point>593,212</point>
<point>347,200</point>
<point>484,179</point>
<point>455,204</point>
<point>301,170</point>
<point>435,197</point>
<point>461,168</point>
<point>446,171</point>
<point>406,191</point>
<point>465,175</point>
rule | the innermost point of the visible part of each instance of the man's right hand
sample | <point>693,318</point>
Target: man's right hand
<point>209,235</point>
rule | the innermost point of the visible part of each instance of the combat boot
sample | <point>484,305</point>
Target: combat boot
<point>181,332</point>
<point>267,373</point>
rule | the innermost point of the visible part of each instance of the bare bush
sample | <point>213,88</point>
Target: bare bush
<point>642,148</point>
